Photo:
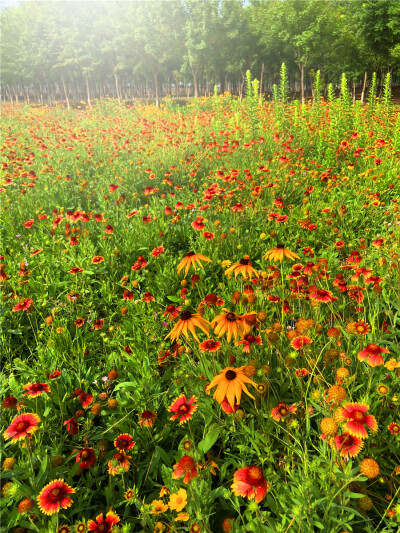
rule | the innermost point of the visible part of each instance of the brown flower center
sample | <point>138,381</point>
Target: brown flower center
<point>230,375</point>
<point>244,261</point>
<point>183,409</point>
<point>358,415</point>
<point>280,246</point>
<point>21,426</point>
<point>190,254</point>
<point>254,476</point>
<point>186,315</point>
<point>85,454</point>
<point>231,317</point>
<point>55,492</point>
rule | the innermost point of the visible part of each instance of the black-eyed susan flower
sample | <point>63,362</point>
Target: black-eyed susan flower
<point>243,267</point>
<point>191,259</point>
<point>230,383</point>
<point>250,481</point>
<point>53,496</point>
<point>279,253</point>
<point>229,323</point>
<point>183,409</point>
<point>187,323</point>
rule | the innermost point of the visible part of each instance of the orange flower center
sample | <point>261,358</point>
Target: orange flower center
<point>55,492</point>
<point>85,454</point>
<point>254,476</point>
<point>230,375</point>
<point>102,527</point>
<point>183,409</point>
<point>358,415</point>
<point>179,500</point>
<point>360,329</point>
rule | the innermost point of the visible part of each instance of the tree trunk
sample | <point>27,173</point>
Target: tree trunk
<point>354,91</point>
<point>302,81</point>
<point>65,91</point>
<point>261,78</point>
<point>88,91</point>
<point>48,89</point>
<point>363,87</point>
<point>195,83</point>
<point>156,87</point>
<point>116,82</point>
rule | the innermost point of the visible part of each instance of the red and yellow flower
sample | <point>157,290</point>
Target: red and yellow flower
<point>183,408</point>
<point>53,496</point>
<point>372,352</point>
<point>22,426</point>
<point>356,419</point>
<point>124,442</point>
<point>103,525</point>
<point>186,465</point>
<point>348,445</point>
<point>250,481</point>
<point>36,389</point>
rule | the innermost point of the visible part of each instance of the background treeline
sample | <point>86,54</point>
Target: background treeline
<point>66,50</point>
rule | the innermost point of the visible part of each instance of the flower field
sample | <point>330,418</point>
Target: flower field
<point>200,317</point>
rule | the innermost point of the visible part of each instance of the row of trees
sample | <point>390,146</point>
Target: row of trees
<point>149,48</point>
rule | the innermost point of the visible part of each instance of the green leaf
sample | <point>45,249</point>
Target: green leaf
<point>209,440</point>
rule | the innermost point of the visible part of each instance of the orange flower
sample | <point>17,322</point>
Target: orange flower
<point>147,418</point>
<point>188,321</point>
<point>229,323</point>
<point>178,501</point>
<point>356,419</point>
<point>242,267</point>
<point>210,346</point>
<point>183,409</point>
<point>22,426</point>
<point>278,253</point>
<point>36,389</point>
<point>190,260</point>
<point>54,496</point>
<point>186,465</point>
<point>231,382</point>
<point>373,353</point>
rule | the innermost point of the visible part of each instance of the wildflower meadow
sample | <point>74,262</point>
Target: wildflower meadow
<point>201,315</point>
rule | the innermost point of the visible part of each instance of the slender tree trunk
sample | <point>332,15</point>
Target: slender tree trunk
<point>302,82</point>
<point>65,91</point>
<point>88,91</point>
<point>195,83</point>
<point>354,91</point>
<point>261,78</point>
<point>116,82</point>
<point>48,89</point>
<point>155,74</point>
<point>363,87</point>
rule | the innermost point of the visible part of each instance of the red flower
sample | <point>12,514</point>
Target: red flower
<point>282,410</point>
<point>227,408</point>
<point>98,324</point>
<point>75,270</point>
<point>356,418</point>
<point>172,311</point>
<point>157,251</point>
<point>128,295</point>
<point>29,223</point>
<point>10,402</point>
<point>187,466</point>
<point>250,482</point>
<point>147,419</point>
<point>183,408</point>
<point>22,426</point>
<point>72,426</point>
<point>298,342</point>
<point>198,223</point>
<point>97,259</point>
<point>87,458</point>
<point>102,525</point>
<point>109,229</point>
<point>79,322</point>
<point>36,389</point>
<point>321,295</point>
<point>54,496</point>
<point>373,352</point>
<point>119,464</point>
<point>24,305</point>
<point>124,442</point>
<point>210,346</point>
<point>148,297</point>
<point>35,252</point>
<point>55,374</point>
<point>247,341</point>
<point>208,235</point>
<point>86,399</point>
<point>348,445</point>
<point>394,428</point>
<point>133,213</point>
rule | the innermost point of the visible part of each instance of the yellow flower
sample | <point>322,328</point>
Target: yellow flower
<point>392,364</point>
<point>178,501</point>
<point>184,517</point>
<point>226,263</point>
<point>230,383</point>
<point>158,507</point>
<point>278,253</point>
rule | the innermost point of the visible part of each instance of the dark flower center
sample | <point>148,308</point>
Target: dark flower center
<point>280,246</point>
<point>249,338</point>
<point>254,476</point>
<point>231,317</point>
<point>123,443</point>
<point>21,426</point>
<point>244,261</point>
<point>190,254</point>
<point>55,493</point>
<point>230,375</point>
<point>119,457</point>
<point>359,416</point>
<point>36,387</point>
<point>147,414</point>
<point>186,315</point>
<point>85,454</point>
<point>183,409</point>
